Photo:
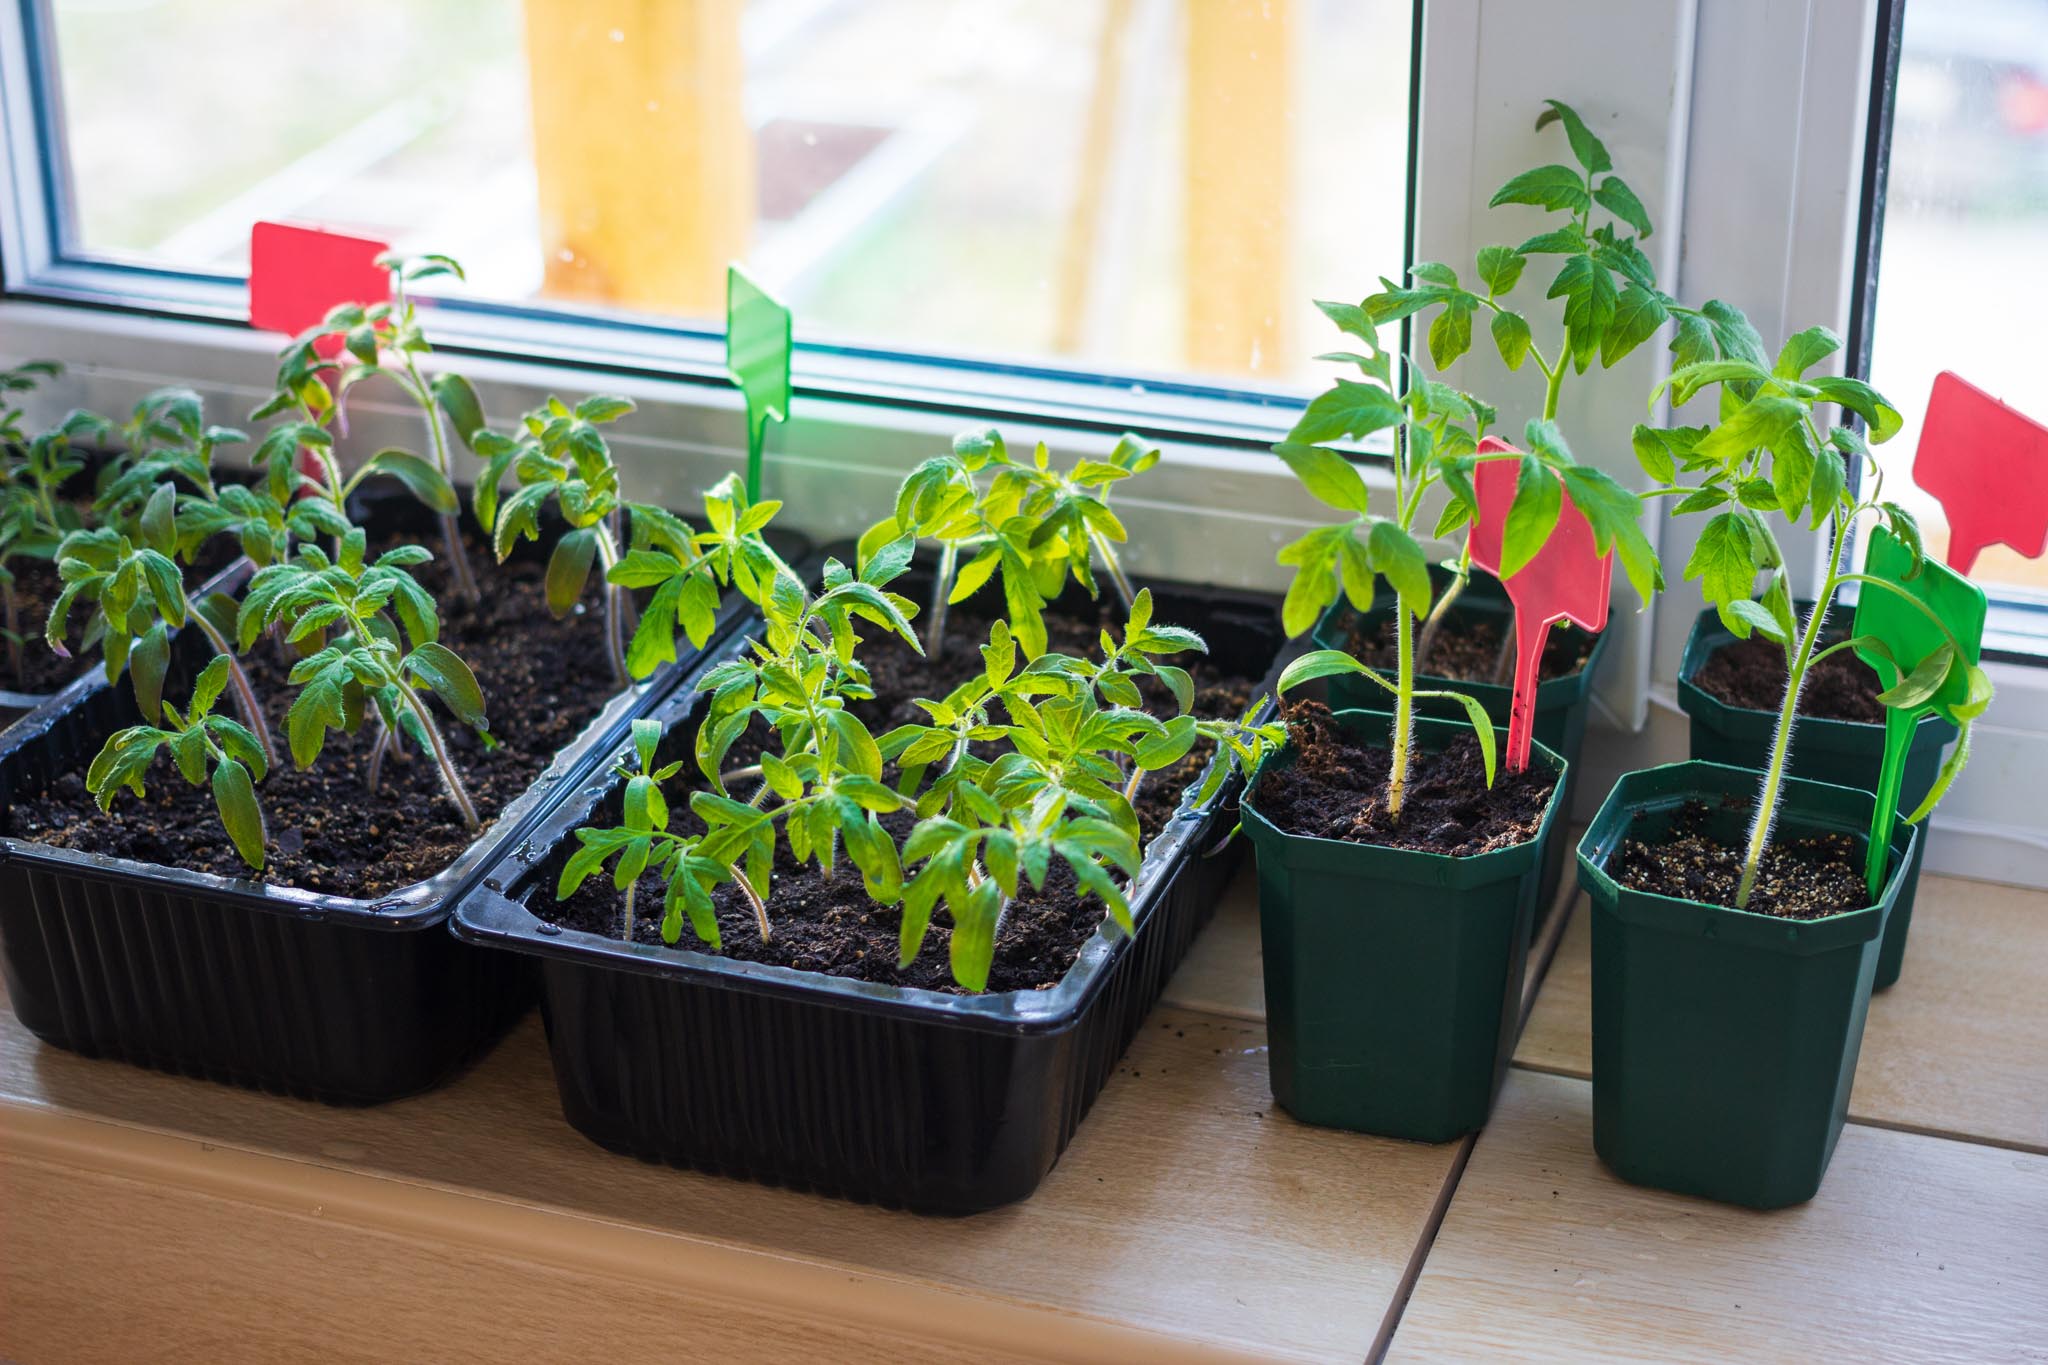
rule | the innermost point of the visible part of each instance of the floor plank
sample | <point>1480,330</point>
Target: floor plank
<point>1187,1213</point>
<point>1917,1248</point>
<point>1958,1047</point>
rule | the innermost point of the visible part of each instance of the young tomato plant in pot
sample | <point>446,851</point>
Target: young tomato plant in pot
<point>1749,895</point>
<point>35,517</point>
<point>382,340</point>
<point>1028,522</point>
<point>559,456</point>
<point>1371,865</point>
<point>383,653</point>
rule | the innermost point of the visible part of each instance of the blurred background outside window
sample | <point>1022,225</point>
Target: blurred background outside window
<point>1141,187</point>
<point>1961,283</point>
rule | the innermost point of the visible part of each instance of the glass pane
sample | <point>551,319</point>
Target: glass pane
<point>1960,284</point>
<point>1135,186</point>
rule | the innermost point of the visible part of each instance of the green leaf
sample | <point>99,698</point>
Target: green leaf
<point>450,679</point>
<point>1482,727</point>
<point>1327,475</point>
<point>1450,335</point>
<point>426,482</point>
<point>604,407</point>
<point>1588,293</point>
<point>1917,688</point>
<point>1638,313</point>
<point>159,523</point>
<point>1393,553</point>
<point>1802,351</point>
<point>1830,479</point>
<point>569,569</point>
<point>457,397</point>
<point>235,797</point>
<point>1531,516</point>
<point>1876,411</point>
<point>1511,337</point>
<point>1951,768</point>
<point>206,689</point>
<point>1619,200</point>
<point>1590,151</point>
<point>1349,408</point>
<point>1754,616</point>
<point>1761,422</point>
<point>1724,560</point>
<point>148,661</point>
<point>1549,187</point>
<point>1352,319</point>
<point>1323,663</point>
<point>1693,342</point>
<point>1499,268</point>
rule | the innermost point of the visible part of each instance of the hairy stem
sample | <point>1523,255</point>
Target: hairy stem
<point>942,589</point>
<point>1116,570</point>
<point>450,779</point>
<point>1433,626</point>
<point>379,748</point>
<point>238,683</point>
<point>462,577</point>
<point>614,603</point>
<point>760,906</point>
<point>626,919</point>
<point>1788,713</point>
<point>1404,705</point>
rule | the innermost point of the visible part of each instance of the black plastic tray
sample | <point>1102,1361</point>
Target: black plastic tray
<point>905,1097</point>
<point>332,998</point>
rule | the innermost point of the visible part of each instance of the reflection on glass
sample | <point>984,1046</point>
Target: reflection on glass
<point>1961,284</point>
<point>1141,186</point>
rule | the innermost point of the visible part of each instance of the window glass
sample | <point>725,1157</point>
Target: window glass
<point>1960,285</point>
<point>1131,186</point>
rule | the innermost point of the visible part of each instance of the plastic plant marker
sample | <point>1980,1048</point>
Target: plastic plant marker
<point>297,274</point>
<point>1911,636</point>
<point>1568,580</point>
<point>1988,467</point>
<point>757,346</point>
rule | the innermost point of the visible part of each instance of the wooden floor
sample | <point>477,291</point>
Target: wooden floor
<point>147,1217</point>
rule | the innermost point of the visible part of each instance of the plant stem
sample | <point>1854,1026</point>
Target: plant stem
<point>463,578</point>
<point>1116,570</point>
<point>450,779</point>
<point>614,605</point>
<point>760,906</point>
<point>238,682</point>
<point>378,749</point>
<point>942,589</point>
<point>626,928</point>
<point>1797,664</point>
<point>1434,625</point>
<point>1404,704</point>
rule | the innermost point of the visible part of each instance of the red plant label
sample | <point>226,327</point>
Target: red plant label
<point>1568,580</point>
<point>1988,467</point>
<point>298,274</point>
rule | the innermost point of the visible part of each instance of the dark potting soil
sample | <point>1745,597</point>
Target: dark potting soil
<point>1751,673</point>
<point>543,680</point>
<point>1336,788</point>
<point>1468,647</point>
<point>1810,877</point>
<point>829,924</point>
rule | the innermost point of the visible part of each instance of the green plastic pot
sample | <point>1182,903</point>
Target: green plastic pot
<point>1725,1042</point>
<point>1393,978</point>
<point>1561,703</point>
<point>1848,753</point>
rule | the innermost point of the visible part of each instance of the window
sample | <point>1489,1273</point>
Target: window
<point>1148,190</point>
<point>1965,227</point>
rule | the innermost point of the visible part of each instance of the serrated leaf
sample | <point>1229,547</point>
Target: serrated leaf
<point>1348,408</point>
<point>1325,474</point>
<point>1511,337</point>
<point>1549,187</point>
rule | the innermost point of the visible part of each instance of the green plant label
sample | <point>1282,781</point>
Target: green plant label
<point>757,345</point>
<point>1920,627</point>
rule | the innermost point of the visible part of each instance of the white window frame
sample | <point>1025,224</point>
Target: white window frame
<point>1740,123</point>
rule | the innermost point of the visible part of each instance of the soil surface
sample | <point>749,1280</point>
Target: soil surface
<point>828,923</point>
<point>1468,647</point>
<point>1336,788</point>
<point>1806,878</point>
<point>1751,673</point>
<point>543,680</point>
